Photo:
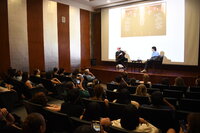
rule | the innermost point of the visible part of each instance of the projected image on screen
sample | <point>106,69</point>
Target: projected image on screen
<point>145,20</point>
<point>170,25</point>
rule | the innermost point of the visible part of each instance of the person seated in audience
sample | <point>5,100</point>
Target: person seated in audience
<point>131,121</point>
<point>133,82</point>
<point>93,111</point>
<point>28,83</point>
<point>6,87</point>
<point>192,126</point>
<point>34,123</point>
<point>41,99</point>
<point>55,81</point>
<point>55,72</point>
<point>125,77</point>
<point>117,81</point>
<point>141,90</point>
<point>157,101</point>
<point>36,73</point>
<point>197,82</point>
<point>124,98</point>
<point>88,75</point>
<point>7,122</point>
<point>88,129</point>
<point>61,72</point>
<point>146,80</point>
<point>18,75</point>
<point>179,81</point>
<point>99,93</point>
<point>72,105</point>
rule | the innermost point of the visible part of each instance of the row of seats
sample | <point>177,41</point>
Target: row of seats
<point>59,122</point>
<point>181,104</point>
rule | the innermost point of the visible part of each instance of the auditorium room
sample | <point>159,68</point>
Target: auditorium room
<point>100,66</point>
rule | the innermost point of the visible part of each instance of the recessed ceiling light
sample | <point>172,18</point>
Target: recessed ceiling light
<point>108,1</point>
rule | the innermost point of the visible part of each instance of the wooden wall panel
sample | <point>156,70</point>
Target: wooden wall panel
<point>4,39</point>
<point>96,38</point>
<point>35,34</point>
<point>85,38</point>
<point>63,36</point>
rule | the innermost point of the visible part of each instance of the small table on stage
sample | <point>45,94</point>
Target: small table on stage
<point>136,64</point>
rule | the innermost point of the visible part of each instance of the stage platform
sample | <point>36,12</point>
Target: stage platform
<point>107,74</point>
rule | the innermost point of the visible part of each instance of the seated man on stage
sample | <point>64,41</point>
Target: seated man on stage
<point>154,56</point>
<point>120,57</point>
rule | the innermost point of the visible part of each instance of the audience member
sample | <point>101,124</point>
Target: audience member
<point>36,73</point>
<point>72,105</point>
<point>88,129</point>
<point>54,80</point>
<point>40,98</point>
<point>157,101</point>
<point>197,82</point>
<point>18,75</point>
<point>131,121</point>
<point>141,90</point>
<point>192,125</point>
<point>146,80</point>
<point>179,81</point>
<point>125,77</point>
<point>88,75</point>
<point>34,123</point>
<point>55,72</point>
<point>124,98</point>
<point>7,122</point>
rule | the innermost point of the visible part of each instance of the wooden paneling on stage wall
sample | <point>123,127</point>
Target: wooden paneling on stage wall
<point>85,38</point>
<point>63,36</point>
<point>4,39</point>
<point>96,41</point>
<point>35,34</point>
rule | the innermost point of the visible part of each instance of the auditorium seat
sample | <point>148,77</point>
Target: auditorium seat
<point>194,89</point>
<point>173,101</point>
<point>184,89</point>
<point>132,89</point>
<point>151,90</point>
<point>112,86</point>
<point>173,93</point>
<point>57,122</point>
<point>192,95</point>
<point>161,118</point>
<point>189,105</point>
<point>8,100</point>
<point>76,122</point>
<point>160,86</point>
<point>121,130</point>
<point>111,95</point>
<point>115,110</point>
<point>32,107</point>
<point>140,99</point>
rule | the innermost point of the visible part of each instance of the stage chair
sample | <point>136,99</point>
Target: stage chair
<point>156,64</point>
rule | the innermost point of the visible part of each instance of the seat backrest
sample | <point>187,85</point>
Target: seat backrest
<point>76,122</point>
<point>57,122</point>
<point>178,88</point>
<point>111,95</point>
<point>8,100</point>
<point>115,110</point>
<point>121,130</point>
<point>160,86</point>
<point>112,86</point>
<point>173,93</point>
<point>194,89</point>
<point>189,105</point>
<point>151,90</point>
<point>140,99</point>
<point>161,118</point>
<point>32,107</point>
<point>192,95</point>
